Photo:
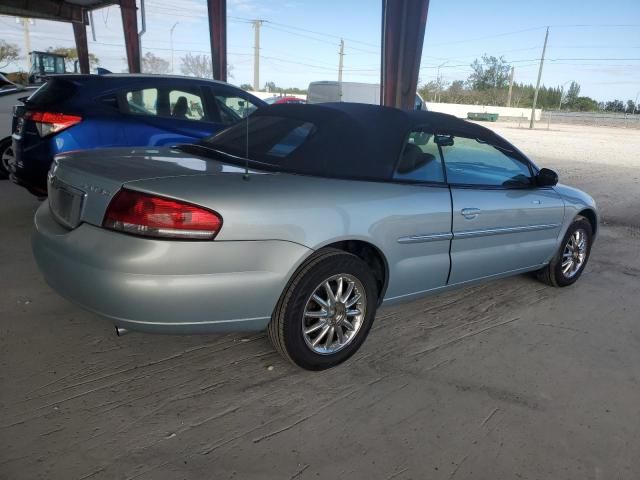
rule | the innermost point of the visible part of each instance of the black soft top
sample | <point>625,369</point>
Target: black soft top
<point>361,141</point>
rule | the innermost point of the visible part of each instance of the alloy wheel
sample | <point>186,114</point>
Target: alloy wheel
<point>574,253</point>
<point>333,314</point>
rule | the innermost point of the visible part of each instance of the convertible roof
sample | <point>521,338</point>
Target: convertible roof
<point>362,141</point>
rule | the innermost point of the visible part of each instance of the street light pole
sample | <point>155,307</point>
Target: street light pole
<point>171,41</point>
<point>438,80</point>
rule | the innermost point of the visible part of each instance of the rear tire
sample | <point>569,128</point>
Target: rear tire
<point>570,260</point>
<point>6,152</point>
<point>318,327</point>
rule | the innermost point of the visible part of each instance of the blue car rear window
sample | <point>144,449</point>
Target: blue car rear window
<point>54,91</point>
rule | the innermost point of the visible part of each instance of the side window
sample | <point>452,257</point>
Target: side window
<point>420,160</point>
<point>143,102</point>
<point>471,162</point>
<point>186,105</point>
<point>233,107</point>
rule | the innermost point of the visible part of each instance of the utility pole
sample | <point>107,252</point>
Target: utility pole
<point>256,53</point>
<point>27,43</point>
<point>535,94</point>
<point>341,62</point>
<point>510,86</point>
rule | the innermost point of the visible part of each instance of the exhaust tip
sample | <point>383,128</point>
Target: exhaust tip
<point>120,331</point>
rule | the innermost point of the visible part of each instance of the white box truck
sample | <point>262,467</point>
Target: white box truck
<point>330,91</point>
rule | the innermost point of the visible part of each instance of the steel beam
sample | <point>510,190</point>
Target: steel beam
<point>403,25</point>
<point>80,34</point>
<point>218,37</point>
<point>130,28</point>
<point>44,9</point>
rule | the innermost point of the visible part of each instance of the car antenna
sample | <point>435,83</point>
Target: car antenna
<point>246,150</point>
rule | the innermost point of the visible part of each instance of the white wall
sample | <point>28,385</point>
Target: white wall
<point>461,110</point>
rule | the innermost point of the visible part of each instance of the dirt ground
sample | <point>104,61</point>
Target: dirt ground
<point>507,380</point>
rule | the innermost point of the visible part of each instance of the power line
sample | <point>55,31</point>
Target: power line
<point>484,37</point>
<point>322,34</point>
<point>279,29</point>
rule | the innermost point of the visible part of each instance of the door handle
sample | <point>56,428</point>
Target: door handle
<point>536,202</point>
<point>470,213</point>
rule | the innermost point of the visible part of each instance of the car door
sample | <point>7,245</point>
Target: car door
<point>231,104</point>
<point>162,114</point>
<point>421,234</point>
<point>501,221</point>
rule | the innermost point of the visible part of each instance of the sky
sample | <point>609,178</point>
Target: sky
<point>595,43</point>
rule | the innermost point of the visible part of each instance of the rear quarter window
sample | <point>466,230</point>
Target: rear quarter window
<point>54,91</point>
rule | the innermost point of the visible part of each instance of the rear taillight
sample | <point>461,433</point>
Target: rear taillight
<point>51,122</point>
<point>152,216</point>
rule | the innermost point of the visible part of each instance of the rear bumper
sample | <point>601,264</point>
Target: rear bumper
<point>165,286</point>
<point>30,165</point>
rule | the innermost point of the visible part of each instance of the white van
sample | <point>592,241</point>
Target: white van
<point>329,91</point>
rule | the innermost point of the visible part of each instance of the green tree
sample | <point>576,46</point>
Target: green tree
<point>490,72</point>
<point>631,106</point>
<point>429,90</point>
<point>585,104</point>
<point>614,106</point>
<point>246,86</point>
<point>153,64</point>
<point>9,52</point>
<point>490,75</point>
<point>572,93</point>
<point>72,57</point>
<point>197,66</point>
<point>270,87</point>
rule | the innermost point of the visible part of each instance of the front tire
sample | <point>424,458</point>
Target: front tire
<point>326,311</point>
<point>570,260</point>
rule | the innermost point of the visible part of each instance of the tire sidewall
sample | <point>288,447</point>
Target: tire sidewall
<point>297,348</point>
<point>578,223</point>
<point>4,145</point>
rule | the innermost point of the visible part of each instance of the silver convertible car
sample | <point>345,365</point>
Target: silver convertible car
<point>303,220</point>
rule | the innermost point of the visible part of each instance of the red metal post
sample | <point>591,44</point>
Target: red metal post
<point>218,36</point>
<point>80,34</point>
<point>403,25</point>
<point>130,28</point>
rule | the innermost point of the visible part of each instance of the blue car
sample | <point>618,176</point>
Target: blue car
<point>80,112</point>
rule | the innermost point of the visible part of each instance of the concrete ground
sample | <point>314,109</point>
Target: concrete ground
<point>507,380</point>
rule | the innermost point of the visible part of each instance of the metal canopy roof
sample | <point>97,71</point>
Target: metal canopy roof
<point>60,10</point>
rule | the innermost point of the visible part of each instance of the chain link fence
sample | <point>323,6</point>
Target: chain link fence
<point>598,119</point>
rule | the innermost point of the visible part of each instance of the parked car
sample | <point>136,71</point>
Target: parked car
<point>10,93</point>
<point>303,224</point>
<point>331,91</point>
<point>284,99</point>
<point>79,112</point>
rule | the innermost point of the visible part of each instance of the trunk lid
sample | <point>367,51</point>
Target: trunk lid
<point>81,184</point>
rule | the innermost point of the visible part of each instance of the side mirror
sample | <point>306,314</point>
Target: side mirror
<point>546,178</point>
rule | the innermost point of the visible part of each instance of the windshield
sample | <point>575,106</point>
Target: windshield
<point>271,139</point>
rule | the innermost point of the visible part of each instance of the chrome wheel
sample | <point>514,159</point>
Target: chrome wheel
<point>333,314</point>
<point>574,254</point>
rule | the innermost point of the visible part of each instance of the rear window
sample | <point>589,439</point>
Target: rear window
<point>270,138</point>
<point>55,90</point>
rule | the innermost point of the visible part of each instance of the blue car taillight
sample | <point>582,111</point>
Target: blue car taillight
<point>52,122</point>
